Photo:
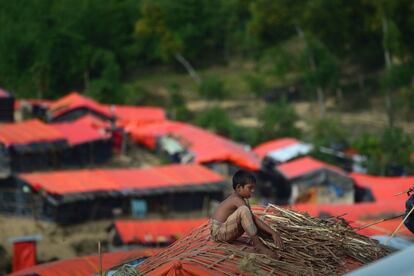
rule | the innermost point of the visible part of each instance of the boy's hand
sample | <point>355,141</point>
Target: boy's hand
<point>278,241</point>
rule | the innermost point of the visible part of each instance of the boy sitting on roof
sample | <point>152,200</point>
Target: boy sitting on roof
<point>233,216</point>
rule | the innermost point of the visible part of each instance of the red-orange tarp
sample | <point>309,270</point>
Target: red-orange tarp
<point>66,182</point>
<point>353,212</point>
<point>27,132</point>
<point>206,146</point>
<point>79,132</point>
<point>137,115</point>
<point>304,165</point>
<point>88,265</point>
<point>384,188</point>
<point>147,231</point>
<point>74,101</point>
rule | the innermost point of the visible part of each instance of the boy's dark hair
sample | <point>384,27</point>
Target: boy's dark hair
<point>243,177</point>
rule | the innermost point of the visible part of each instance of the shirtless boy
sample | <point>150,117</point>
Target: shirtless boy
<point>233,217</point>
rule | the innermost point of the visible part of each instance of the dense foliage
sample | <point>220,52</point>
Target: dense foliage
<point>331,47</point>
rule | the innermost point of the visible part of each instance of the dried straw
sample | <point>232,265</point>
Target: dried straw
<point>322,246</point>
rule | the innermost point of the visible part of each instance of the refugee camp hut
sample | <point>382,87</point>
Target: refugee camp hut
<point>151,232</point>
<point>87,144</point>
<point>132,116</point>
<point>382,188</point>
<point>6,106</point>
<point>88,265</point>
<point>162,191</point>
<point>309,180</point>
<point>282,150</point>
<point>74,106</point>
<point>305,252</point>
<point>185,143</point>
<point>129,117</point>
<point>31,145</point>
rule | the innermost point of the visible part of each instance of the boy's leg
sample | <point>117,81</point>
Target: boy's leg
<point>237,223</point>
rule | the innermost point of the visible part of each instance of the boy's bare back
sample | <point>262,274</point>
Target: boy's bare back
<point>227,207</point>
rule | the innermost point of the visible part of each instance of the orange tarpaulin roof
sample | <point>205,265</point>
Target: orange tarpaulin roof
<point>383,228</point>
<point>384,188</point>
<point>353,212</point>
<point>94,122</point>
<point>27,132</point>
<point>304,165</point>
<point>79,132</point>
<point>66,182</point>
<point>74,101</point>
<point>147,231</point>
<point>88,265</point>
<point>137,115</point>
<point>207,146</point>
<point>263,149</point>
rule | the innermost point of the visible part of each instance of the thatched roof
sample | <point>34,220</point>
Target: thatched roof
<point>313,247</point>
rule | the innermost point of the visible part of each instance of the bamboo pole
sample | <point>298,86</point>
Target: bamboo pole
<point>100,258</point>
<point>399,226</point>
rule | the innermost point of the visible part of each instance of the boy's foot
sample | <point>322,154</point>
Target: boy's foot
<point>260,248</point>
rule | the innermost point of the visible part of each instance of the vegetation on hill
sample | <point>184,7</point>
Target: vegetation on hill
<point>345,56</point>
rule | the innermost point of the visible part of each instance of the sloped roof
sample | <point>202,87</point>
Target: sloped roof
<point>385,228</point>
<point>303,166</point>
<point>79,132</point>
<point>198,254</point>
<point>207,146</point>
<point>87,265</point>
<point>353,212</point>
<point>27,132</point>
<point>384,188</point>
<point>148,231</point>
<point>94,122</point>
<point>263,149</point>
<point>148,180</point>
<point>137,115</point>
<point>74,101</point>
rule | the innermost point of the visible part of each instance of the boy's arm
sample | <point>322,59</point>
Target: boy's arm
<point>265,228</point>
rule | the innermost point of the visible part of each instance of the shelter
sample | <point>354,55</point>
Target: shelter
<point>384,188</point>
<point>199,146</point>
<point>131,116</point>
<point>88,145</point>
<point>59,196</point>
<point>151,232</point>
<point>309,180</point>
<point>30,145</point>
<point>282,150</point>
<point>6,106</point>
<point>74,106</point>
<point>87,265</point>
<point>354,212</point>
<point>198,254</point>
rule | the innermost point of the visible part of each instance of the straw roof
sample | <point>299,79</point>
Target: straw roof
<point>313,247</point>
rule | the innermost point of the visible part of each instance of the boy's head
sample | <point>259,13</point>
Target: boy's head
<point>244,183</point>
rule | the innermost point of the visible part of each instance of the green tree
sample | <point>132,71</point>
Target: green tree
<point>278,120</point>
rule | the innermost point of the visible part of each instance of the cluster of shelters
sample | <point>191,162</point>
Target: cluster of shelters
<point>100,193</point>
<point>79,132</point>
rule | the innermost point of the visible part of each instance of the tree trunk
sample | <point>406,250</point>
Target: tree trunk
<point>388,65</point>
<point>311,60</point>
<point>191,71</point>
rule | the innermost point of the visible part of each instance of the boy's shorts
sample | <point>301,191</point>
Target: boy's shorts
<point>237,223</point>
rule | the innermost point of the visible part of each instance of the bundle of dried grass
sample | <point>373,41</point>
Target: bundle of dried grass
<point>317,246</point>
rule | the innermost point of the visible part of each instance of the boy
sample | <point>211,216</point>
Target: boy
<point>233,216</point>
